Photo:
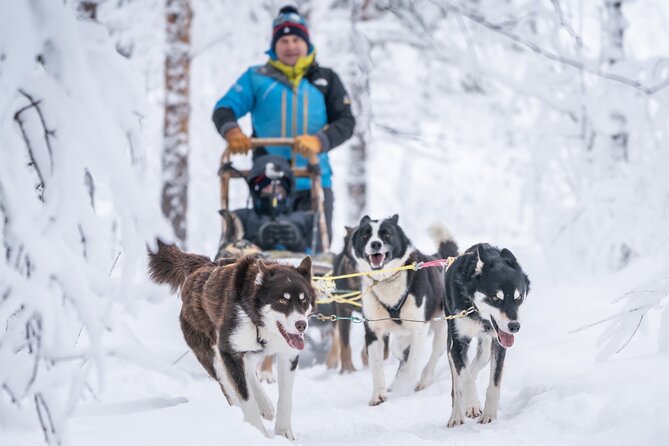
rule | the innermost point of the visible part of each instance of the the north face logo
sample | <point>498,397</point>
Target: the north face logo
<point>321,82</point>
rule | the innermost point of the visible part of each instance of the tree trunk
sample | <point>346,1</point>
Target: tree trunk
<point>613,52</point>
<point>357,169</point>
<point>175,130</point>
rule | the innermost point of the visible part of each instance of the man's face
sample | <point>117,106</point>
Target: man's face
<point>289,48</point>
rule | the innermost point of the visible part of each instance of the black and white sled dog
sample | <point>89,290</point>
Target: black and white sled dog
<point>406,294</point>
<point>492,281</point>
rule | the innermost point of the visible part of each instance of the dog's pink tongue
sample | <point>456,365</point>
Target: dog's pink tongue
<point>376,260</point>
<point>505,339</point>
<point>296,341</point>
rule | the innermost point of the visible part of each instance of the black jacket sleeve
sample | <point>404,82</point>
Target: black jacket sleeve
<point>224,119</point>
<point>340,117</point>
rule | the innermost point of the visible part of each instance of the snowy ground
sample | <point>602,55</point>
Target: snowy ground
<point>553,391</point>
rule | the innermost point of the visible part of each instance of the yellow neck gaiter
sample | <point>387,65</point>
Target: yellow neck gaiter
<point>295,73</point>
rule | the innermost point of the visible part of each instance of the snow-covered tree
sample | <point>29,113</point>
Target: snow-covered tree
<point>74,214</point>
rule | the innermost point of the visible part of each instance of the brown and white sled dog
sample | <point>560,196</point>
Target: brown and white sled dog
<point>234,313</point>
<point>407,295</point>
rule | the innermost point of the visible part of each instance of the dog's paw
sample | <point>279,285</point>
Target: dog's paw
<point>487,418</point>
<point>423,384</point>
<point>456,420</point>
<point>426,380</point>
<point>378,398</point>
<point>473,411</point>
<point>346,368</point>
<point>265,376</point>
<point>284,432</point>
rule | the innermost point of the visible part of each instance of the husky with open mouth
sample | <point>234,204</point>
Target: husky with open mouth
<point>493,282</point>
<point>234,313</point>
<point>400,303</point>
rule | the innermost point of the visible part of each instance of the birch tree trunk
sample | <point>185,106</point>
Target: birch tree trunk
<point>613,52</point>
<point>175,131</point>
<point>357,170</point>
<point>617,133</point>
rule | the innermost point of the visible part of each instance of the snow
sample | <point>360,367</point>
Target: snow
<point>467,128</point>
<point>553,390</point>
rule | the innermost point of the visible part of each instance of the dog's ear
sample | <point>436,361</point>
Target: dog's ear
<point>263,272</point>
<point>482,258</point>
<point>365,219</point>
<point>395,218</point>
<point>304,267</point>
<point>510,258</point>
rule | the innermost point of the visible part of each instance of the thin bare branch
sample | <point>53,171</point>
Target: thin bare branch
<point>565,23</point>
<point>111,270</point>
<point>183,355</point>
<point>45,419</point>
<point>476,69</point>
<point>47,133</point>
<point>9,392</point>
<point>610,318</point>
<point>31,155</point>
<point>631,335</point>
<point>34,342</point>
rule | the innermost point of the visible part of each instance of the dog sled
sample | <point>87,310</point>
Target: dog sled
<point>234,242</point>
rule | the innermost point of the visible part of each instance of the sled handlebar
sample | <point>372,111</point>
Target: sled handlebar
<point>261,142</point>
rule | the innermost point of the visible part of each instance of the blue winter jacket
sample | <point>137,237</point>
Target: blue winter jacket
<point>319,106</point>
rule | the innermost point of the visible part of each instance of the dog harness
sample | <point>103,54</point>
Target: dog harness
<point>394,311</point>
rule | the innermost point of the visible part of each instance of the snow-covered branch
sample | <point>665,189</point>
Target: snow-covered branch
<point>589,67</point>
<point>639,303</point>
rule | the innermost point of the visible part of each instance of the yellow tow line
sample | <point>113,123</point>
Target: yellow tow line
<point>328,288</point>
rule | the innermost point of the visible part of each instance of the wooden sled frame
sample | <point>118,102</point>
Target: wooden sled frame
<point>312,171</point>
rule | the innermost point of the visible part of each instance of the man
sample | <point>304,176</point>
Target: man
<point>290,96</point>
